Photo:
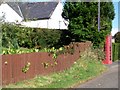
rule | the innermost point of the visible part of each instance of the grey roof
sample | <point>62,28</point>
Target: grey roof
<point>15,7</point>
<point>34,10</point>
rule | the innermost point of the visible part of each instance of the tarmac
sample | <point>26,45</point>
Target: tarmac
<point>108,79</point>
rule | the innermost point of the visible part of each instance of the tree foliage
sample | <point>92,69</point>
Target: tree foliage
<point>117,37</point>
<point>83,20</point>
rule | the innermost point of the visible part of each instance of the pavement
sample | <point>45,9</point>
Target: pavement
<point>109,79</point>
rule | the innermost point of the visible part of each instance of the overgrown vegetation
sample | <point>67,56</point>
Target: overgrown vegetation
<point>20,50</point>
<point>87,67</point>
<point>62,50</point>
<point>115,51</point>
<point>15,37</point>
<point>83,20</point>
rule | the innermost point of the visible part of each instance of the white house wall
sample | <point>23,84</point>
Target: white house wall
<point>55,22</point>
<point>36,24</point>
<point>57,12</point>
<point>48,23</point>
<point>10,14</point>
<point>57,16</point>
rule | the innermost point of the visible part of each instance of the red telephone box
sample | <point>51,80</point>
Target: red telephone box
<point>108,50</point>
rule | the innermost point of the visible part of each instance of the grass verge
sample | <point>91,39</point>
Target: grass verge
<point>84,69</point>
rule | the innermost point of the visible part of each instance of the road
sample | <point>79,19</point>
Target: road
<point>108,79</point>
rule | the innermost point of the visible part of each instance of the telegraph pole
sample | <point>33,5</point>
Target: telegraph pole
<point>98,15</point>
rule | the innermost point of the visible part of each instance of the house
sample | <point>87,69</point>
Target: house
<point>8,14</point>
<point>35,14</point>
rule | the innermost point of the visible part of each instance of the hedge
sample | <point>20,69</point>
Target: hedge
<point>14,36</point>
<point>115,51</point>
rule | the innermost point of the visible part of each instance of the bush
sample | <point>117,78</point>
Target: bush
<point>117,37</point>
<point>115,51</point>
<point>93,54</point>
<point>15,37</point>
<point>66,38</point>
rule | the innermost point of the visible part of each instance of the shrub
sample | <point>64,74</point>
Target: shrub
<point>93,54</point>
<point>115,51</point>
<point>66,37</point>
<point>15,36</point>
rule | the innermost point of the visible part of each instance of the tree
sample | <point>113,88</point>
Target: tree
<point>83,20</point>
<point>117,37</point>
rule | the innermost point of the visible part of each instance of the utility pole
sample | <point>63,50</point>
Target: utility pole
<point>98,15</point>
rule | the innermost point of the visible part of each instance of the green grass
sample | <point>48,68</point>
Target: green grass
<point>86,68</point>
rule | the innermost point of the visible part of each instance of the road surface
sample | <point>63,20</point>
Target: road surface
<point>108,79</point>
